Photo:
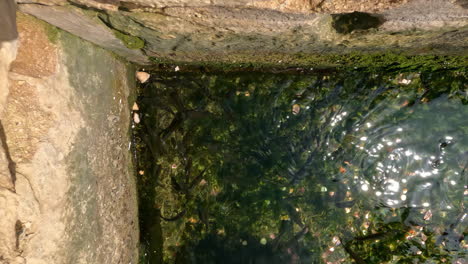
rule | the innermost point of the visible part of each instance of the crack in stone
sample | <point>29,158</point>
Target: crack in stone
<point>32,190</point>
<point>11,163</point>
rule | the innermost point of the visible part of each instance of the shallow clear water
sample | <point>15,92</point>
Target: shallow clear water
<point>319,168</point>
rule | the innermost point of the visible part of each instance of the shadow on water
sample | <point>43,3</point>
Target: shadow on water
<point>318,168</point>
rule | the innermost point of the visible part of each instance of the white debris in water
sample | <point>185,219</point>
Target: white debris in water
<point>403,197</point>
<point>142,76</point>
<point>405,81</point>
<point>363,138</point>
<point>263,241</point>
<point>136,118</point>
<point>425,174</point>
<point>178,69</point>
<point>393,186</point>
<point>365,187</point>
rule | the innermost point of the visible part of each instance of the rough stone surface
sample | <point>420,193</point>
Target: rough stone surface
<point>329,6</point>
<point>250,31</point>
<point>78,23</point>
<point>73,197</point>
<point>37,57</point>
<point>26,117</point>
<point>426,15</point>
<point>297,6</point>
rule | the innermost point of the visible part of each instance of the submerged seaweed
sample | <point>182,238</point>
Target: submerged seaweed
<point>283,168</point>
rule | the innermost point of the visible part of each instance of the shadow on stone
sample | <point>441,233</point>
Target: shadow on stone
<point>11,163</point>
<point>8,20</point>
<point>349,22</point>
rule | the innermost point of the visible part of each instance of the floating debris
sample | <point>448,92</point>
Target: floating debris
<point>177,69</point>
<point>404,81</point>
<point>142,76</point>
<point>135,107</point>
<point>296,109</point>
<point>428,215</point>
<point>136,118</point>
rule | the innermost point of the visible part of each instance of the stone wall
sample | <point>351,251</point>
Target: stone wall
<point>260,31</point>
<point>67,190</point>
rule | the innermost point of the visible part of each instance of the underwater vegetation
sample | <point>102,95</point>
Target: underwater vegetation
<point>343,167</point>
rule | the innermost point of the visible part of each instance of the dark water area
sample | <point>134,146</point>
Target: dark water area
<point>354,167</point>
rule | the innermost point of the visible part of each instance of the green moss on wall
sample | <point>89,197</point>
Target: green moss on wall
<point>129,41</point>
<point>52,32</point>
<point>390,62</point>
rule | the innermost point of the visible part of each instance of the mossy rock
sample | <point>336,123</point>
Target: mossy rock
<point>129,41</point>
<point>346,23</point>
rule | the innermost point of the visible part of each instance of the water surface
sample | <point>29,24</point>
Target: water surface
<point>349,167</point>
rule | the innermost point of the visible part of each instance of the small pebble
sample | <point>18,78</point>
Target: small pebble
<point>142,76</point>
<point>141,172</point>
<point>135,107</point>
<point>296,109</point>
<point>405,81</point>
<point>136,118</point>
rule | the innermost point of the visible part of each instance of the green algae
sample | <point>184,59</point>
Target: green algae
<point>130,41</point>
<point>390,62</point>
<point>51,32</point>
